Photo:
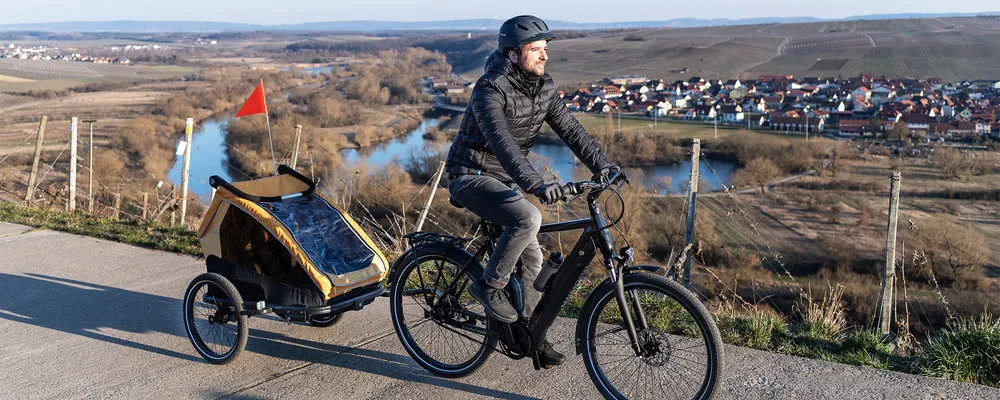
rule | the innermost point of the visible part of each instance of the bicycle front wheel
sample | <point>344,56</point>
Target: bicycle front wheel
<point>679,347</point>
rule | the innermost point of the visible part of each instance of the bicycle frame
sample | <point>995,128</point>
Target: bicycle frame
<point>595,236</point>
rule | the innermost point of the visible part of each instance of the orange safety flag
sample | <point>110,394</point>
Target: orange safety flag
<point>255,103</point>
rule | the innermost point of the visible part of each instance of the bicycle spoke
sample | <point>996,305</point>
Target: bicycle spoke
<point>671,366</point>
<point>438,318</point>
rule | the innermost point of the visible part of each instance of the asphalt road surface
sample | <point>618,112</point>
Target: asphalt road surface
<point>86,318</point>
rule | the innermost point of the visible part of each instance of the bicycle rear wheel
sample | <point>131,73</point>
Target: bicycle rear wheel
<point>680,347</point>
<point>441,326</point>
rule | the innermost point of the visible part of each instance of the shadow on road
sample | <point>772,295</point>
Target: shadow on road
<point>83,308</point>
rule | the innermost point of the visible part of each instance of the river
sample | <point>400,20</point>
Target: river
<point>557,157</point>
<point>208,157</point>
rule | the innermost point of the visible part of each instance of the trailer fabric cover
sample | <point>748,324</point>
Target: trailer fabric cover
<point>323,232</point>
<point>332,249</point>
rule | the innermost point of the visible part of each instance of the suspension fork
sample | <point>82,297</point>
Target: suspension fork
<point>617,273</point>
<point>618,279</point>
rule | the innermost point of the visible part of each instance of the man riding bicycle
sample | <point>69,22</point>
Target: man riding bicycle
<point>489,159</point>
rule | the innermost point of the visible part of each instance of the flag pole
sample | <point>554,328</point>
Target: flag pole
<point>267,119</point>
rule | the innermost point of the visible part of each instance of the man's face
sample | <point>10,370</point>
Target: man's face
<point>533,56</point>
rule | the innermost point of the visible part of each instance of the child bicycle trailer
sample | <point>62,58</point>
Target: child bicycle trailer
<point>272,245</point>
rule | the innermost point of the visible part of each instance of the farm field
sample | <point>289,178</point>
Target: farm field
<point>947,48</point>
<point>25,75</point>
<point>86,105</point>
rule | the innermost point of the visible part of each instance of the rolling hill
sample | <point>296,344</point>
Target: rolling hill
<point>948,48</point>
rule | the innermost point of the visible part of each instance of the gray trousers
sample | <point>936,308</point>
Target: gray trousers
<point>499,203</point>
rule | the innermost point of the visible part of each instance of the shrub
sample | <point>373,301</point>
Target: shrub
<point>823,319</point>
<point>759,329</point>
<point>968,352</point>
<point>867,348</point>
<point>364,136</point>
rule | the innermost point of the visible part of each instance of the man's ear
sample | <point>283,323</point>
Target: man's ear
<point>512,56</point>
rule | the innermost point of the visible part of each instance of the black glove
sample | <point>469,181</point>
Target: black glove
<point>605,172</point>
<point>550,193</point>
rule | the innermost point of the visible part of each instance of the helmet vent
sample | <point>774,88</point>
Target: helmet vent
<point>536,25</point>
<point>521,27</point>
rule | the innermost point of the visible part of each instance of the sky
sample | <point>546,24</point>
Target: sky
<point>298,11</point>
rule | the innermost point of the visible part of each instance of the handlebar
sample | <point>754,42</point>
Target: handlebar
<point>217,181</point>
<point>576,188</point>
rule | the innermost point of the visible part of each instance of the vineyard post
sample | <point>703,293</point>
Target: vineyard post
<point>34,164</point>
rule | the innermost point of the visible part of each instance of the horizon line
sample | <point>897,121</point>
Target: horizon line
<point>849,17</point>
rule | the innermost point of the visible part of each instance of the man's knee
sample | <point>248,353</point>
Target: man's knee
<point>531,219</point>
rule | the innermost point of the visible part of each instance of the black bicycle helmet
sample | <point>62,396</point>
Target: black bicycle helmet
<point>521,30</point>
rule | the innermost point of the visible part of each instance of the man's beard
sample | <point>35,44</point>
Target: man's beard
<point>536,69</point>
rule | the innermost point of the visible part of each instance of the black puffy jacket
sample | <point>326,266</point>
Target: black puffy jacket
<point>500,124</point>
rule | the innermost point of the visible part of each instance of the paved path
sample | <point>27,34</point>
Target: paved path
<point>86,318</point>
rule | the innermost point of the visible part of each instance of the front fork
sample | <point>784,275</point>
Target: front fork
<point>639,323</point>
<point>616,270</point>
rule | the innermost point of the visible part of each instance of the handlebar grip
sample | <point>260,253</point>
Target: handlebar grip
<point>573,189</point>
<point>613,176</point>
<point>217,181</point>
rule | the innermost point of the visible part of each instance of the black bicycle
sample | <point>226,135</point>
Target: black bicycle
<point>642,335</point>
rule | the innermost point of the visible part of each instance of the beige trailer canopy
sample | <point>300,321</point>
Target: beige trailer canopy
<point>277,227</point>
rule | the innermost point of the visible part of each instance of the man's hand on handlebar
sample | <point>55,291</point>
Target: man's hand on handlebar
<point>550,193</point>
<point>607,177</point>
<point>607,173</point>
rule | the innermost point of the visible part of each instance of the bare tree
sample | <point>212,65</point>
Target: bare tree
<point>758,172</point>
<point>950,247</point>
<point>952,162</point>
<point>899,131</point>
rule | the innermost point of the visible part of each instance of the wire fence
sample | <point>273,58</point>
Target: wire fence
<point>388,222</point>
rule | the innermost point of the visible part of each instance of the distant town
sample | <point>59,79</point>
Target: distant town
<point>14,51</point>
<point>858,106</point>
<point>41,52</point>
<point>862,106</point>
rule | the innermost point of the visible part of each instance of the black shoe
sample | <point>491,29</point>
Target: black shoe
<point>547,355</point>
<point>494,300</point>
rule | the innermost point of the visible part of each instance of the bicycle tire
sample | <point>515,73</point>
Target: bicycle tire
<point>605,295</point>
<point>404,331</point>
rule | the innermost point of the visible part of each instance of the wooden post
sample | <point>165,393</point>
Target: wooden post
<point>173,218</point>
<point>188,129</point>
<point>118,205</point>
<point>90,183</point>
<point>430,199</point>
<point>34,164</point>
<point>71,205</point>
<point>889,270</point>
<point>692,197</point>
<point>145,204</point>
<point>295,150</point>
